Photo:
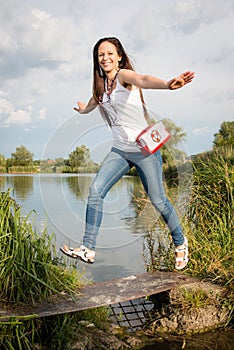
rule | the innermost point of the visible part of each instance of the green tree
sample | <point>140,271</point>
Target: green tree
<point>225,136</point>
<point>80,156</point>
<point>22,156</point>
<point>2,160</point>
<point>171,152</point>
<point>59,161</point>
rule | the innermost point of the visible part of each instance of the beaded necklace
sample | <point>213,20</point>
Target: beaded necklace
<point>108,88</point>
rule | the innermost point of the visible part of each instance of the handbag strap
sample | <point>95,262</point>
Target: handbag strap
<point>146,114</point>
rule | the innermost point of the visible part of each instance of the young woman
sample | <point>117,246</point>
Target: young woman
<point>117,91</point>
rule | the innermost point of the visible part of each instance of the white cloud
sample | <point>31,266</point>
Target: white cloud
<point>47,36</point>
<point>7,43</point>
<point>5,107</point>
<point>223,53</point>
<point>2,93</point>
<point>19,117</point>
<point>42,114</point>
<point>189,15</point>
<point>11,116</point>
<point>38,39</point>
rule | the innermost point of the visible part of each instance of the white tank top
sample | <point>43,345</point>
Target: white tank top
<point>125,114</point>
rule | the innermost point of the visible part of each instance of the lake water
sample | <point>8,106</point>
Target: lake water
<point>59,201</point>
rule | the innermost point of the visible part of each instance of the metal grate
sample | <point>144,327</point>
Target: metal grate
<point>131,314</point>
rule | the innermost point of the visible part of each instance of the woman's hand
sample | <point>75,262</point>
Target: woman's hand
<point>84,108</point>
<point>181,80</point>
<point>81,107</point>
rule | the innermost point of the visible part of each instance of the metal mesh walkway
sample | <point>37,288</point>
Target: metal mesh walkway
<point>131,314</point>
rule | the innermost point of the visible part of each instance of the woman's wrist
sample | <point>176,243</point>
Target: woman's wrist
<point>168,85</point>
<point>175,83</point>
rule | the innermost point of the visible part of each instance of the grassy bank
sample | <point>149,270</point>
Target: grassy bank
<point>210,221</point>
<point>208,224</point>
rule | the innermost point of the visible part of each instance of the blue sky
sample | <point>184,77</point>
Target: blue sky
<point>46,66</point>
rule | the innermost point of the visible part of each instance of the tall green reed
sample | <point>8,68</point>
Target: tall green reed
<point>208,223</point>
<point>210,218</point>
<point>28,269</point>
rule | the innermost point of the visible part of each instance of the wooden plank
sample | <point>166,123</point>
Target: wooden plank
<point>102,294</point>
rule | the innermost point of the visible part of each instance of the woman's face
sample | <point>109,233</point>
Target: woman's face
<point>108,57</point>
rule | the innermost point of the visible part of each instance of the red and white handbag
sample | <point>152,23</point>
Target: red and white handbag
<point>152,138</point>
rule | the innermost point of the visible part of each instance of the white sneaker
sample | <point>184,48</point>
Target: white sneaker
<point>82,253</point>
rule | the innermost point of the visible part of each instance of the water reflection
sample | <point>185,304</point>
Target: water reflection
<point>79,185</point>
<point>216,340</point>
<point>119,201</point>
<point>22,185</point>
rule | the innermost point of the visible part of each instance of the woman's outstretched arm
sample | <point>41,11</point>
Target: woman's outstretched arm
<point>151,82</point>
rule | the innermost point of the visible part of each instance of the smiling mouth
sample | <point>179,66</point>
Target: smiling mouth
<point>107,65</point>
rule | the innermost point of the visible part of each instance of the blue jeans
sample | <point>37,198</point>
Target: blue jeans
<point>115,166</point>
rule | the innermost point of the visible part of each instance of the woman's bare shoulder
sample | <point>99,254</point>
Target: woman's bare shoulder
<point>127,77</point>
